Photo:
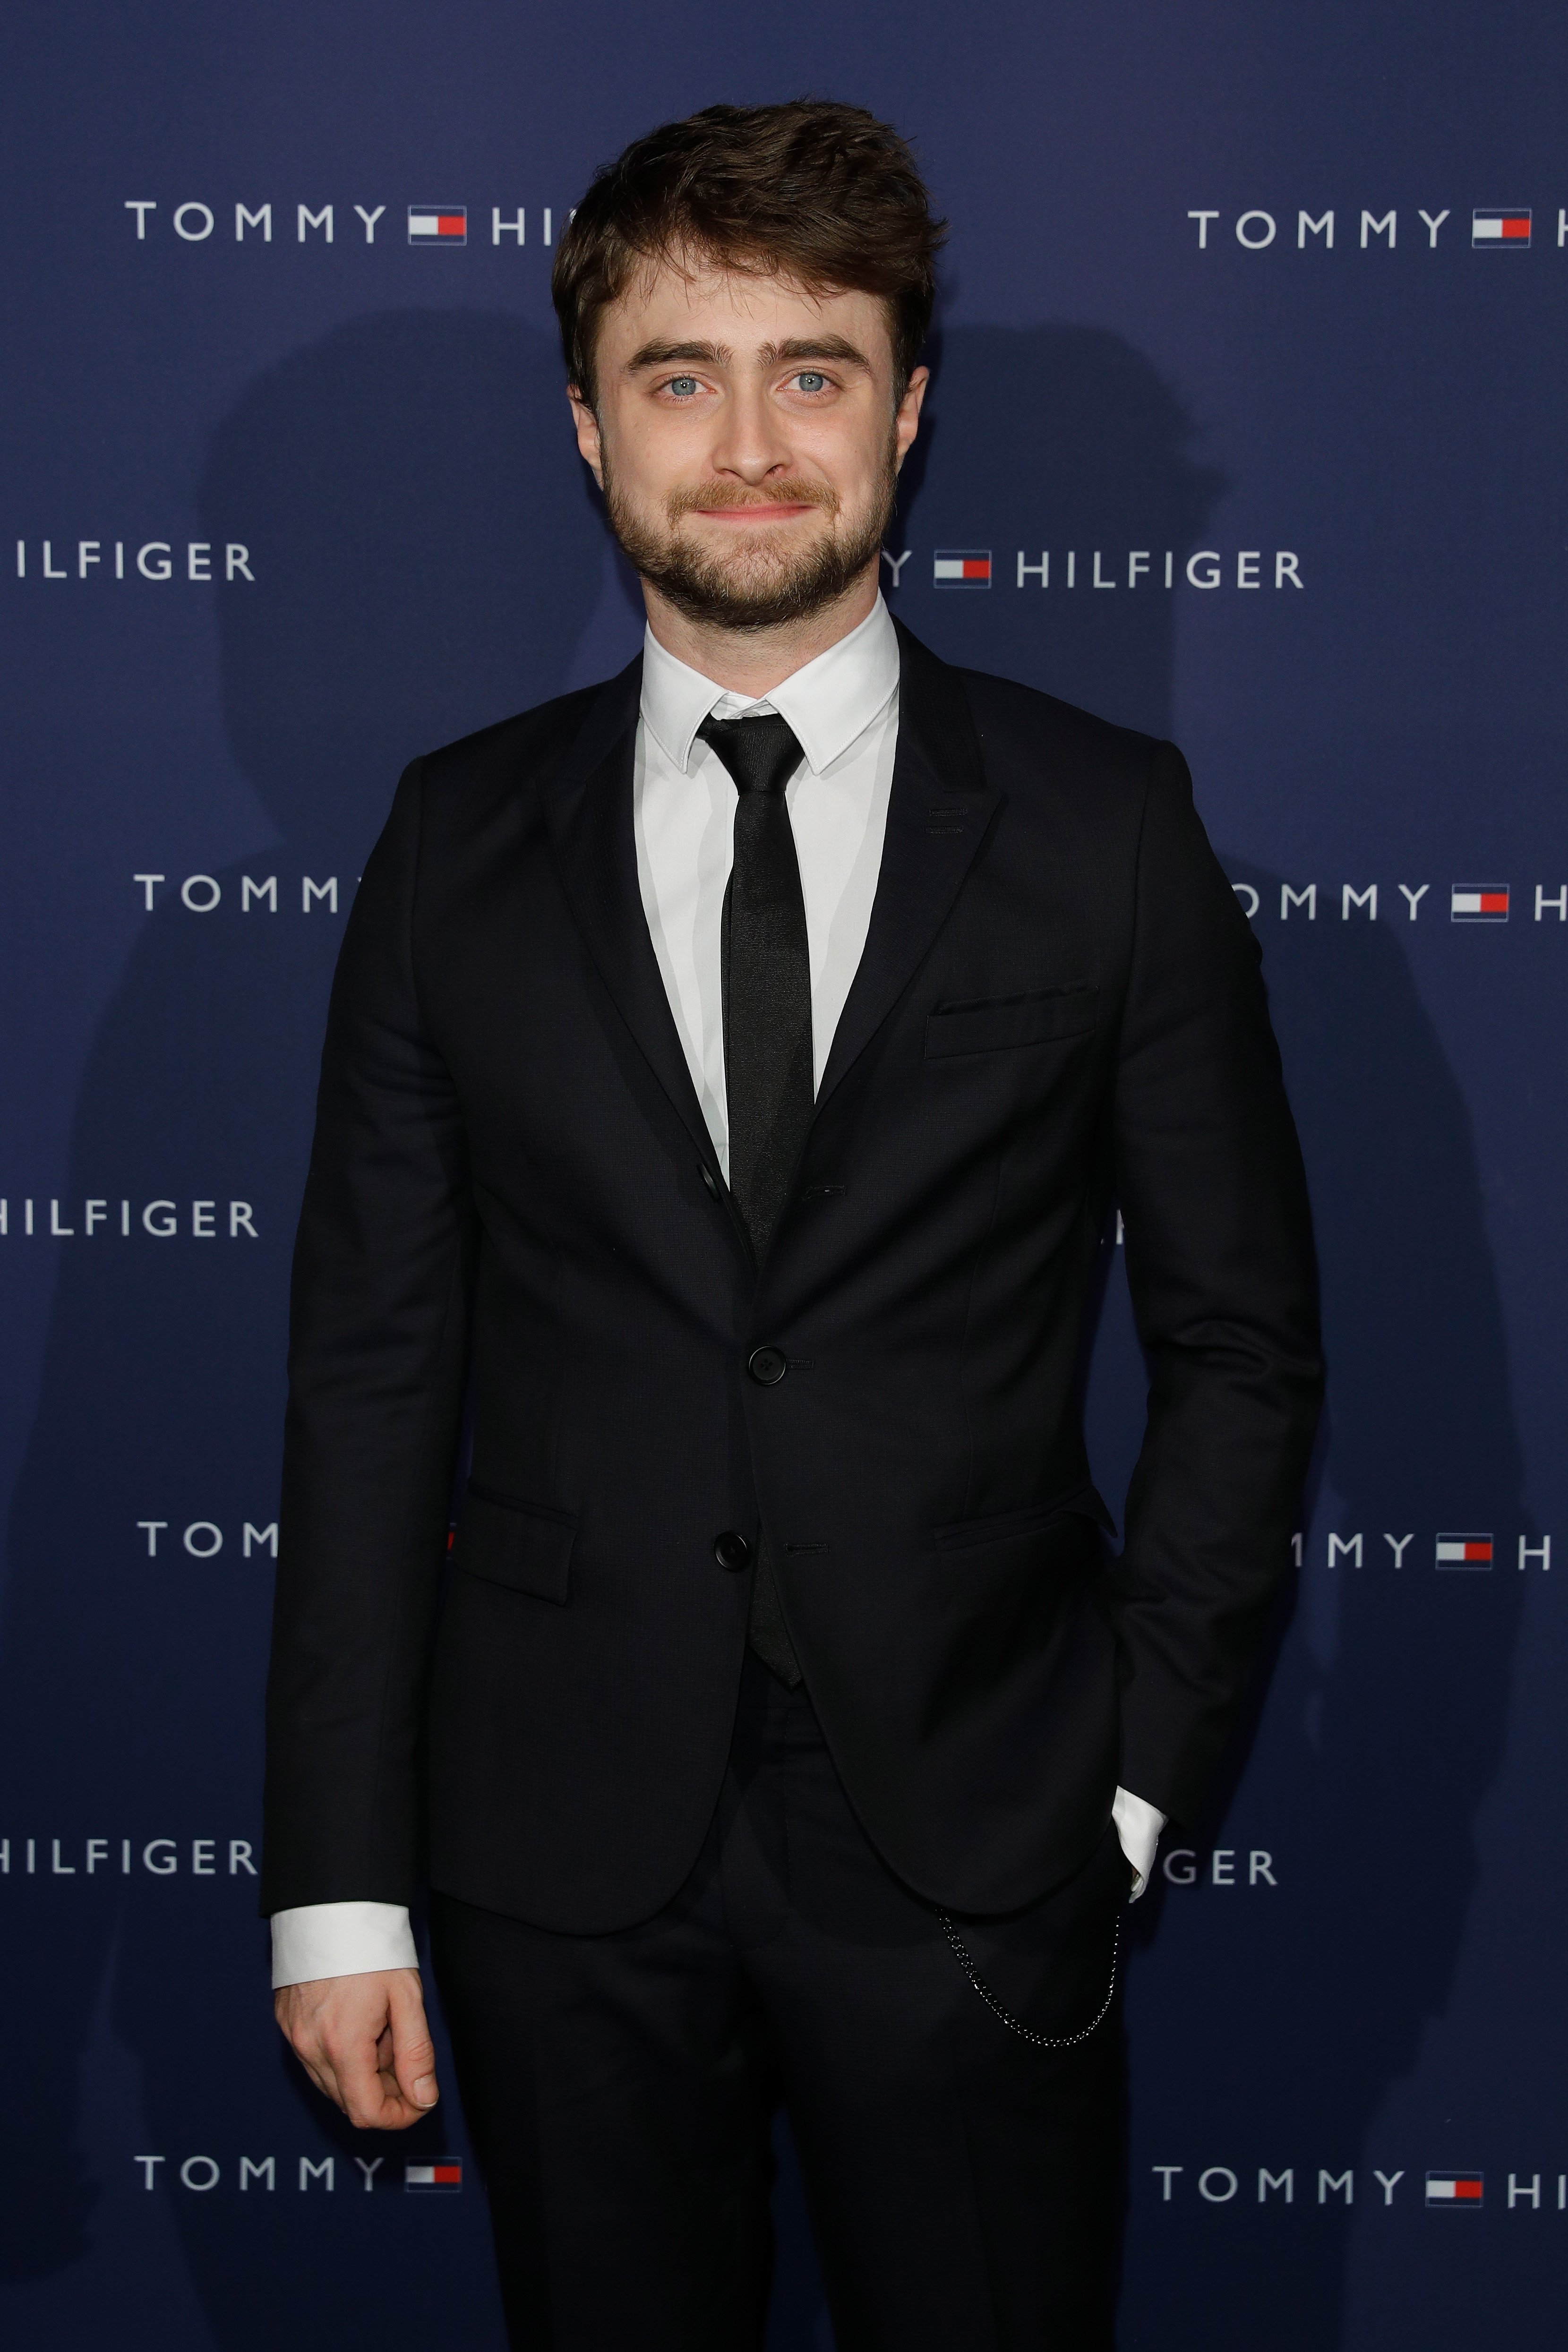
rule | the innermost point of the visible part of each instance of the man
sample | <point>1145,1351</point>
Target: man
<point>729,1075</point>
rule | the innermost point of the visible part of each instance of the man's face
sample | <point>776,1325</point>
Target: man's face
<point>747,440</point>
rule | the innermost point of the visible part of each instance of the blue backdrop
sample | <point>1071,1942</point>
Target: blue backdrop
<point>1249,384</point>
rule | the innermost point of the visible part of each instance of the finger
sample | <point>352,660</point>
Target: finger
<point>395,2113</point>
<point>325,2080</point>
<point>364,2090</point>
<point>342,2034</point>
<point>414,2052</point>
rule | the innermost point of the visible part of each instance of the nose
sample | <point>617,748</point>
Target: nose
<point>750,438</point>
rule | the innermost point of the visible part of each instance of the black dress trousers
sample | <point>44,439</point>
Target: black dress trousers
<point>963,2183</point>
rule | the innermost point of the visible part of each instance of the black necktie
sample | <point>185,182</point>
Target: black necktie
<point>766,970</point>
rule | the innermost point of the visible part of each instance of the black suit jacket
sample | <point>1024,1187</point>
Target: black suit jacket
<point>512,1188</point>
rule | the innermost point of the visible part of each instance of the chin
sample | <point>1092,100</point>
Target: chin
<point>778,573</point>
<point>759,552</point>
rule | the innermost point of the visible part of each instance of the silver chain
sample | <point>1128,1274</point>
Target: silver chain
<point>1015,2024</point>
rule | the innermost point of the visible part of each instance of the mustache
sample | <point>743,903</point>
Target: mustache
<point>796,491</point>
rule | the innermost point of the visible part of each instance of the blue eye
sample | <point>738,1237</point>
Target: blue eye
<point>809,380</point>
<point>683,386</point>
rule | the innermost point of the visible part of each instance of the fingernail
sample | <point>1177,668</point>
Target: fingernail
<point>425,2093</point>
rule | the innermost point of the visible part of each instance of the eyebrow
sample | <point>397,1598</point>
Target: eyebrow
<point>653,355</point>
<point>809,347</point>
<point>817,347</point>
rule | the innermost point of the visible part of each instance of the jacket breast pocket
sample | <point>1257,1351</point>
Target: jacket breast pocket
<point>992,1025</point>
<point>524,1546</point>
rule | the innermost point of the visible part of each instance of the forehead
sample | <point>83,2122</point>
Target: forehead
<point>738,309</point>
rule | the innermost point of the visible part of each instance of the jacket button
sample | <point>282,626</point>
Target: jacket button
<point>710,1179</point>
<point>767,1366</point>
<point>730,1550</point>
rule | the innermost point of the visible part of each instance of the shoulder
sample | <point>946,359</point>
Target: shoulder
<point>1025,733</point>
<point>1034,746</point>
<point>452,800</point>
<point>526,745</point>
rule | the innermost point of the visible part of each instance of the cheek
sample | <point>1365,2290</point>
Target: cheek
<point>851,452</point>
<point>662,449</point>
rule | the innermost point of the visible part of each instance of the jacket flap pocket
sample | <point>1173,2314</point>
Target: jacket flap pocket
<point>524,1546</point>
<point>1006,1527</point>
<point>991,1024</point>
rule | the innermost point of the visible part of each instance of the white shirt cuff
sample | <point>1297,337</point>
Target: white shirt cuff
<point>1137,1826</point>
<point>340,1939</point>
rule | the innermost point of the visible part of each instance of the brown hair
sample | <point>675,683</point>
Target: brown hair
<point>813,191</point>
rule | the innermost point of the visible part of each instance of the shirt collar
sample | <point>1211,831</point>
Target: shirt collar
<point>829,703</point>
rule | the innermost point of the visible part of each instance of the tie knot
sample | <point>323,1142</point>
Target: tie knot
<point>762,754</point>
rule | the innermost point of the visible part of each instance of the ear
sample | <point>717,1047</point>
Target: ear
<point>906,422</point>
<point>587,426</point>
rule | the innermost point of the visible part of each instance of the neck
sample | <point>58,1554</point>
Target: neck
<point>751,662</point>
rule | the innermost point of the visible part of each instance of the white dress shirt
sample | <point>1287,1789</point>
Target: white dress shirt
<point>843,710</point>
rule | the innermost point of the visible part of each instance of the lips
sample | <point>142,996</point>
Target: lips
<point>782,501</point>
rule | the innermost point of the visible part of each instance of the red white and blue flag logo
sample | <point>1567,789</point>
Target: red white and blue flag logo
<point>963,567</point>
<point>445,2176</point>
<point>1490,230</point>
<point>437,224</point>
<point>1464,1551</point>
<point>1478,902</point>
<point>1456,2189</point>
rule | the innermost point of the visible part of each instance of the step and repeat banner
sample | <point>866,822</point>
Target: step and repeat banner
<point>1248,428</point>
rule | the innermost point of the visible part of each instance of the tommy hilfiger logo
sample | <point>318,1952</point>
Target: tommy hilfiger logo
<point>1494,229</point>
<point>30,1219</point>
<point>260,2174</point>
<point>1451,1551</point>
<point>429,224</point>
<point>1140,568</point>
<point>1456,2191</point>
<point>1478,902</point>
<point>157,560</point>
<point>967,567</point>
<point>1469,902</point>
<point>1490,230</point>
<point>1445,2192</point>
<point>437,225</point>
<point>1474,1551</point>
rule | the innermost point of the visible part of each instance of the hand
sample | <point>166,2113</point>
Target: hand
<point>364,2041</point>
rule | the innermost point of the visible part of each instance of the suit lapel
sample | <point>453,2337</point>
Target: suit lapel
<point>588,808</point>
<point>939,811</point>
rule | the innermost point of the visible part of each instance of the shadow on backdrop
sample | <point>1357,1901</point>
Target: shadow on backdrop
<point>1053,438</point>
<point>1286,2025</point>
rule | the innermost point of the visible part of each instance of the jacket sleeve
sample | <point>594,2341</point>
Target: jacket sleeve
<point>378,1344</point>
<point>1221,1269</point>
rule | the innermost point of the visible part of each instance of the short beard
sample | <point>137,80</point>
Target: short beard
<point>700,586</point>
